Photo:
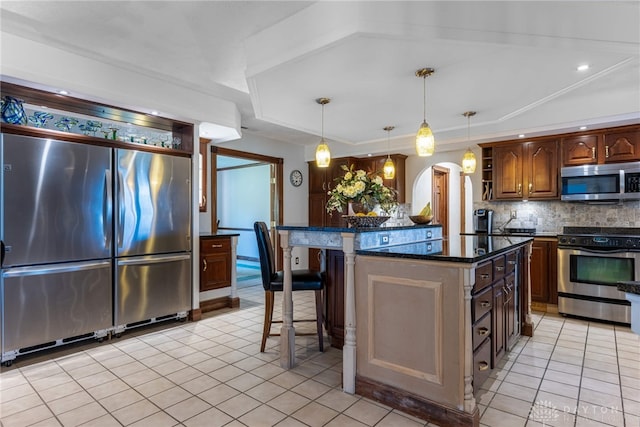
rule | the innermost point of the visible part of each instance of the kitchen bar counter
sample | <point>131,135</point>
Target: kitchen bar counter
<point>467,248</point>
<point>348,240</point>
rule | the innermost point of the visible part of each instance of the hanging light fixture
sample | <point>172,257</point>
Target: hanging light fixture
<point>469,159</point>
<point>323,155</point>
<point>425,142</point>
<point>389,169</point>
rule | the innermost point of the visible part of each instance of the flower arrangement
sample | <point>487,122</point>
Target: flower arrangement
<point>358,186</point>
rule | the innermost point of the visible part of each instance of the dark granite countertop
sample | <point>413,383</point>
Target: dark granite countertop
<point>218,235</point>
<point>356,229</point>
<point>629,287</point>
<point>465,249</point>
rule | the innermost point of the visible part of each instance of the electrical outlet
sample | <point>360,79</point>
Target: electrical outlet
<point>297,260</point>
<point>384,239</point>
<point>514,214</point>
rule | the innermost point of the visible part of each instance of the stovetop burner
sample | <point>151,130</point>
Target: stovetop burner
<point>601,237</point>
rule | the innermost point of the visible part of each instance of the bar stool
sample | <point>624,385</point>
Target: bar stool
<point>273,281</point>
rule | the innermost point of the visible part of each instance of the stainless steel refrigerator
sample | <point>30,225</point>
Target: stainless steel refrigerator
<point>55,227</point>
<point>94,239</point>
<point>152,237</point>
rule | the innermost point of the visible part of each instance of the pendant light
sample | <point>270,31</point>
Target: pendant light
<point>469,159</point>
<point>425,142</point>
<point>323,155</point>
<point>389,169</point>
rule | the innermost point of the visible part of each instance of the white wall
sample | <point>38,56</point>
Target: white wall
<point>295,199</point>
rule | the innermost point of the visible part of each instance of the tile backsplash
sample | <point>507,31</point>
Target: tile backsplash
<point>551,216</point>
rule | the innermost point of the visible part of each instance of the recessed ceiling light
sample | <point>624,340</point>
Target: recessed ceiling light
<point>521,135</point>
<point>369,155</point>
<point>63,92</point>
<point>155,113</point>
<point>583,67</point>
<point>583,127</point>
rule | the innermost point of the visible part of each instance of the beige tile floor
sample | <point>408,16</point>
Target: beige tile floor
<point>211,373</point>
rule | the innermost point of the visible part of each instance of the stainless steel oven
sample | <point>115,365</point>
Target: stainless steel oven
<point>591,261</point>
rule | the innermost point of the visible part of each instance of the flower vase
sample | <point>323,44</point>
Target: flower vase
<point>13,111</point>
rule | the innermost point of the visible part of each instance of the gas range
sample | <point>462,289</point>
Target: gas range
<point>600,237</point>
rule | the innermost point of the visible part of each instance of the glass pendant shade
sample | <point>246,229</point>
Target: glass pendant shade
<point>389,169</point>
<point>425,142</point>
<point>469,162</point>
<point>323,155</point>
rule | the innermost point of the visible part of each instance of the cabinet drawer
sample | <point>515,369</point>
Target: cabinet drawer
<point>481,364</point>
<point>482,303</point>
<point>512,259</point>
<point>498,267</point>
<point>481,330</point>
<point>208,246</point>
<point>484,276</point>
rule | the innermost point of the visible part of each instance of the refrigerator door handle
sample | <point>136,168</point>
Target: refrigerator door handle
<point>121,215</point>
<point>107,208</point>
<point>153,259</point>
<point>63,268</point>
<point>2,253</point>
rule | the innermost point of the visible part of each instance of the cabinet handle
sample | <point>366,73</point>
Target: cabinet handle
<point>593,153</point>
<point>204,265</point>
<point>324,184</point>
<point>520,189</point>
<point>483,366</point>
<point>484,276</point>
<point>606,151</point>
<point>499,268</point>
<point>216,246</point>
<point>530,188</point>
<point>483,331</point>
<point>485,304</point>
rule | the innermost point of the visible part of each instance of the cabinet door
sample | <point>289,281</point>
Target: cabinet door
<point>542,168</point>
<point>334,298</point>
<point>580,150</point>
<point>510,327</point>
<point>317,178</point>
<point>215,264</point>
<point>622,146</point>
<point>498,330</point>
<point>508,172</point>
<point>539,271</point>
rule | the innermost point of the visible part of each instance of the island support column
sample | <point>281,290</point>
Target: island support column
<point>349,348</point>
<point>234,272</point>
<point>469,399</point>
<point>287,332</point>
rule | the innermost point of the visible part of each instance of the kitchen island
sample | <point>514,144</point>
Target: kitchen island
<point>432,324</point>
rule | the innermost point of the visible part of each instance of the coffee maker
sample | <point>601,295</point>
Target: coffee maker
<point>483,221</point>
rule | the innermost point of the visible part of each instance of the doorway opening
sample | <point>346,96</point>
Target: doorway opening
<point>245,188</point>
<point>450,193</point>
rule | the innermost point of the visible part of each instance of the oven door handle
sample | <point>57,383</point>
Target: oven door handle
<point>597,251</point>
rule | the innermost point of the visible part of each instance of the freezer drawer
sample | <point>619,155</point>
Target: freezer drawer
<point>151,286</point>
<point>44,304</point>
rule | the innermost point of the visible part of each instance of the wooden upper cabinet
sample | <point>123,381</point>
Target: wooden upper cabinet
<point>526,171</point>
<point>507,171</point>
<point>580,150</point>
<point>622,146</point>
<point>542,162</point>
<point>603,146</point>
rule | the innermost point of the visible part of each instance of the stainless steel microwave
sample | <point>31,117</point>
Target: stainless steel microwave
<point>610,182</point>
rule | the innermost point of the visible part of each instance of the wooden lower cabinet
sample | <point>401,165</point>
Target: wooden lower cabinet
<point>334,297</point>
<point>544,271</point>
<point>215,263</point>
<point>496,307</point>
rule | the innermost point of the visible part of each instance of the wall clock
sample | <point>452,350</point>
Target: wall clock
<point>296,178</point>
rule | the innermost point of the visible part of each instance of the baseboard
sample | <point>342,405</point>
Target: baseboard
<point>415,405</point>
<point>218,303</point>
<point>195,315</point>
